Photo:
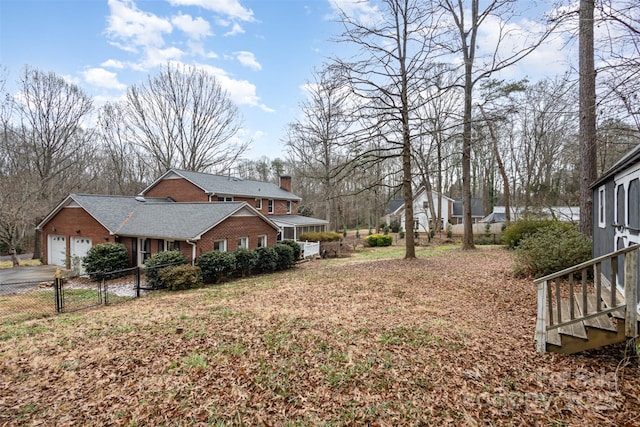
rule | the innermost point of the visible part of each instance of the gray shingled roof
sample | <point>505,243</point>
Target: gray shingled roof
<point>296,220</point>
<point>228,185</point>
<point>394,205</point>
<point>157,218</point>
<point>477,210</point>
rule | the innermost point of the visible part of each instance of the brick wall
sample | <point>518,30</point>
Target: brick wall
<point>73,222</point>
<point>235,227</point>
<point>279,206</point>
<point>179,190</point>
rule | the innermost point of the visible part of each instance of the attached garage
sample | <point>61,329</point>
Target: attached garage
<point>79,248</point>
<point>57,253</point>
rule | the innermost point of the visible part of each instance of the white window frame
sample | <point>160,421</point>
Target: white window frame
<point>258,203</point>
<point>225,198</point>
<point>262,241</point>
<point>270,206</point>
<point>223,246</point>
<point>288,206</point>
<point>243,242</point>
<point>602,207</point>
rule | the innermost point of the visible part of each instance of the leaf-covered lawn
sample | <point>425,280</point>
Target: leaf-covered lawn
<point>442,340</point>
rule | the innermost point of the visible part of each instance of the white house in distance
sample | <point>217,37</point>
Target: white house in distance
<point>560,213</point>
<point>421,211</point>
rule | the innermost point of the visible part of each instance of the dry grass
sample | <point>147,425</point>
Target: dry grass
<point>446,339</point>
<point>23,263</point>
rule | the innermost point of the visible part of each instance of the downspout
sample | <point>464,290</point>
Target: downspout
<point>193,252</point>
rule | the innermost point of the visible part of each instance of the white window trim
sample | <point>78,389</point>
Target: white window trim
<point>258,203</point>
<point>288,206</point>
<point>262,238</point>
<point>224,244</point>
<point>602,207</point>
<point>271,206</point>
<point>245,242</point>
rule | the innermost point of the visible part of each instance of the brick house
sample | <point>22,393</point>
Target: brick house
<point>188,211</point>
<point>277,202</point>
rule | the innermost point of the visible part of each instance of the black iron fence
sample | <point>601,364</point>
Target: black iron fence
<point>21,301</point>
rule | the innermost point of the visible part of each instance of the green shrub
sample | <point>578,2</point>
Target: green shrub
<point>286,258</point>
<point>216,265</point>
<point>246,261</point>
<point>297,250</point>
<point>523,228</point>
<point>105,257</point>
<point>156,262</point>
<point>180,277</point>
<point>379,240</point>
<point>395,226</point>
<point>551,249</point>
<point>325,236</point>
<point>267,260</point>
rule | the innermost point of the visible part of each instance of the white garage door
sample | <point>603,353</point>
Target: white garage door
<point>79,248</point>
<point>57,250</point>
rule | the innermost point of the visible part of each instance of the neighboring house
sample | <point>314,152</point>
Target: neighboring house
<point>421,212</point>
<point>189,211</point>
<point>560,213</point>
<point>150,225</point>
<point>477,211</point>
<point>275,201</point>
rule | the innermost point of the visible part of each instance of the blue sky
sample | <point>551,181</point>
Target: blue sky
<point>261,51</point>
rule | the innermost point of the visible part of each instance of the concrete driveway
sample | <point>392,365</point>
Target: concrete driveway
<point>40,273</point>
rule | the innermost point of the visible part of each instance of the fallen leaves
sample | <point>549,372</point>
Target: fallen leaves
<point>446,340</point>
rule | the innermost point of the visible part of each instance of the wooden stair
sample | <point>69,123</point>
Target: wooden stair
<point>590,333</point>
<point>577,310</point>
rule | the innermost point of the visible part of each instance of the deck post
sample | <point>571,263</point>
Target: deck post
<point>631,293</point>
<point>541,323</point>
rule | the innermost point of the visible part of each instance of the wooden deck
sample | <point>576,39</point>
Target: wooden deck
<point>577,310</point>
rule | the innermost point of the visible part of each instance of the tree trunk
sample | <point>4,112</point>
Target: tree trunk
<point>503,172</point>
<point>588,170</point>
<point>37,243</point>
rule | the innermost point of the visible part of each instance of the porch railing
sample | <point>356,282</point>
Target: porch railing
<point>552,289</point>
<point>309,249</point>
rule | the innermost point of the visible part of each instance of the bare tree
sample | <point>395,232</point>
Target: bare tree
<point>52,140</point>
<point>315,141</point>
<point>462,39</point>
<point>588,153</point>
<point>387,76</point>
<point>183,118</point>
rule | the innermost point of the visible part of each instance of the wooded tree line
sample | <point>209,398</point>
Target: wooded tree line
<point>417,102</point>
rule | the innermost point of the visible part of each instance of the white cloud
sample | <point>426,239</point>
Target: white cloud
<point>359,10</point>
<point>134,28</point>
<point>113,63</point>
<point>231,8</point>
<point>242,92</point>
<point>196,29</point>
<point>156,57</point>
<point>235,29</point>
<point>248,59</point>
<point>102,78</point>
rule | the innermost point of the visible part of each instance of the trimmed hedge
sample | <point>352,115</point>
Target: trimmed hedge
<point>314,236</point>
<point>216,265</point>
<point>285,256</point>
<point>379,240</point>
<point>297,250</point>
<point>105,257</point>
<point>267,260</point>
<point>180,277</point>
<point>159,260</point>
<point>246,261</point>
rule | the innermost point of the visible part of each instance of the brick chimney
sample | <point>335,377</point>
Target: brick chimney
<point>285,183</point>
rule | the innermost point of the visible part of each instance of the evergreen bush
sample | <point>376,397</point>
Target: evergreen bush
<point>104,258</point>
<point>379,240</point>
<point>246,261</point>
<point>216,265</point>
<point>285,256</point>
<point>180,277</point>
<point>325,236</point>
<point>523,228</point>
<point>158,261</point>
<point>267,260</point>
<point>297,250</point>
<point>551,249</point>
